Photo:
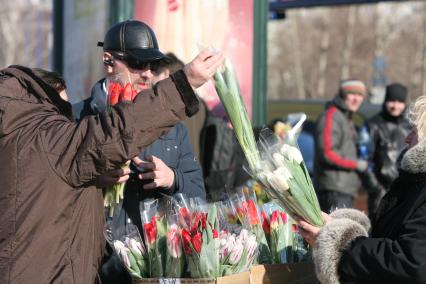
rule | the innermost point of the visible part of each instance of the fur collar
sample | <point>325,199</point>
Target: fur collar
<point>414,160</point>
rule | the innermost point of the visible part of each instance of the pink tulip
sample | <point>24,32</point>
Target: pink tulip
<point>174,242</point>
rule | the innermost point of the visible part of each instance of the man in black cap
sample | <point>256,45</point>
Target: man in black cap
<point>131,55</point>
<point>388,130</point>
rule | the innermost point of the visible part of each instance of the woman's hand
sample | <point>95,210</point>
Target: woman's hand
<point>310,232</point>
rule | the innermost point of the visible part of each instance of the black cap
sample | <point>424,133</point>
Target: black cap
<point>396,92</point>
<point>135,39</point>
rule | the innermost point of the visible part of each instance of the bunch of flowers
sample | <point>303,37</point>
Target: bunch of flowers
<point>119,88</point>
<point>128,245</point>
<point>155,230</point>
<point>281,169</point>
<point>286,178</point>
<point>132,254</point>
<point>248,214</point>
<point>237,252</point>
<point>200,241</point>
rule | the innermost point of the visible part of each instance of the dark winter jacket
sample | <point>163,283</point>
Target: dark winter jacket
<point>173,148</point>
<point>387,136</point>
<point>395,252</point>
<point>176,152</point>
<point>51,214</point>
<point>335,150</point>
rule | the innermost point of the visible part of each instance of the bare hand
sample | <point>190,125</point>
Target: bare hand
<point>310,232</point>
<point>113,177</point>
<point>203,67</point>
<point>157,171</point>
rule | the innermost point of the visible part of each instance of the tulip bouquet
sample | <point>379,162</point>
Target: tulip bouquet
<point>248,215</point>
<point>155,231</point>
<point>281,233</point>
<point>236,252</point>
<point>286,178</point>
<point>129,248</point>
<point>119,88</point>
<point>175,259</point>
<point>200,241</point>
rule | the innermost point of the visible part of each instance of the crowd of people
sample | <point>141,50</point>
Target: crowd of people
<point>57,158</point>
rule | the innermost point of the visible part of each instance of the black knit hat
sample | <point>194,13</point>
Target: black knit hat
<point>135,39</point>
<point>396,92</point>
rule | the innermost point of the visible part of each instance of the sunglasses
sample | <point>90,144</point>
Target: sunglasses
<point>137,64</point>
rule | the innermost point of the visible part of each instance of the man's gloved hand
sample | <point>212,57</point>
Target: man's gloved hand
<point>361,166</point>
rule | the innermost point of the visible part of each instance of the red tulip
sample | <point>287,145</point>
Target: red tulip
<point>134,94</point>
<point>196,223</point>
<point>126,93</point>
<point>215,234</point>
<point>274,220</point>
<point>252,213</point>
<point>150,232</point>
<point>203,220</point>
<point>265,225</point>
<point>284,217</point>
<point>114,90</point>
<point>185,216</point>
<point>197,242</point>
<point>186,237</point>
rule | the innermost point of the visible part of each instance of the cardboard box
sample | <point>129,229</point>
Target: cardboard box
<point>300,273</point>
<point>240,278</point>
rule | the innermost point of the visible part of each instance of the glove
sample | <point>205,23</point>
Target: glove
<point>361,166</point>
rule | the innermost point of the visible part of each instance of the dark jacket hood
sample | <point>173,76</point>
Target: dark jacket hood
<point>43,92</point>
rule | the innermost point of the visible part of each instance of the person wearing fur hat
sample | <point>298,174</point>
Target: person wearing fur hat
<point>336,165</point>
<point>393,248</point>
<point>388,130</point>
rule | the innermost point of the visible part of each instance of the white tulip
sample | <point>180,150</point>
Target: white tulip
<point>278,159</point>
<point>295,155</point>
<point>279,179</point>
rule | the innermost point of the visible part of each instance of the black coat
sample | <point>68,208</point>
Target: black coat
<point>396,250</point>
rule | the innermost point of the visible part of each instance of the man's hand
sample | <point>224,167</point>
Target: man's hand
<point>203,67</point>
<point>113,177</point>
<point>157,171</point>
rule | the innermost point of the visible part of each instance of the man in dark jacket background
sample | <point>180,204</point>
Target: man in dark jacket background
<point>336,165</point>
<point>388,130</point>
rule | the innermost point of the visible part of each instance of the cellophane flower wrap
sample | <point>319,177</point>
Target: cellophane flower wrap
<point>119,89</point>
<point>286,178</point>
<point>200,237</point>
<point>285,243</point>
<point>237,251</point>
<point>154,224</point>
<point>175,258</point>
<point>228,89</point>
<point>129,247</point>
<point>248,214</point>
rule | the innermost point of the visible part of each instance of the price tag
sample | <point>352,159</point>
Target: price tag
<point>169,281</point>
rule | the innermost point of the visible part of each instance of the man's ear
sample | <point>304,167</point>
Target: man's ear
<point>108,61</point>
